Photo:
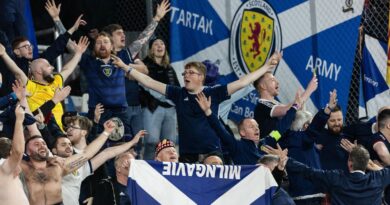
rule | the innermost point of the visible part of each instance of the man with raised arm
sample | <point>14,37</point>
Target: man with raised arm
<point>271,114</point>
<point>22,52</point>
<point>107,82</point>
<point>44,177</point>
<point>42,86</point>
<point>244,151</point>
<point>195,134</point>
<point>71,183</point>
<point>11,155</point>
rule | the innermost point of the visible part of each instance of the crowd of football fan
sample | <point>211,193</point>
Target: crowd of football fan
<point>137,110</point>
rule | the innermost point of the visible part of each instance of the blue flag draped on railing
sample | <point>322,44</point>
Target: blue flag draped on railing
<point>153,182</point>
<point>375,91</point>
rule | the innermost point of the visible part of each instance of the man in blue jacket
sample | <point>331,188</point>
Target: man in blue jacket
<point>353,187</point>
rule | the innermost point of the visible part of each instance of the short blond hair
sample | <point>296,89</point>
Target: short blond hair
<point>199,66</point>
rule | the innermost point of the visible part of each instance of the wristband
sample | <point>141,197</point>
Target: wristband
<point>129,71</point>
<point>276,135</point>
<point>106,133</point>
<point>327,106</point>
<point>296,106</point>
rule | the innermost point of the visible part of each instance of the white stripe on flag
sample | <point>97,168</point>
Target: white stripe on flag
<point>328,14</point>
<point>226,12</point>
<point>378,54</point>
<point>257,182</point>
<point>362,112</point>
<point>156,185</point>
<point>380,100</point>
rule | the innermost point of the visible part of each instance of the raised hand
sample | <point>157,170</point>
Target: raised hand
<point>372,166</point>
<point>60,94</point>
<point>53,11</point>
<point>204,103</point>
<point>140,134</point>
<point>99,109</point>
<point>313,84</point>
<point>82,45</point>
<point>118,62</point>
<point>332,102</point>
<point>76,25</point>
<point>273,61</point>
<point>19,112</point>
<point>279,152</point>
<point>332,99</point>
<point>162,9</point>
<point>347,145</point>
<point>39,117</point>
<point>19,89</point>
<point>298,99</point>
<point>109,126</point>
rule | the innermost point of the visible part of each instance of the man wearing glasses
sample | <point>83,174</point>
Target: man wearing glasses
<point>22,54</point>
<point>196,137</point>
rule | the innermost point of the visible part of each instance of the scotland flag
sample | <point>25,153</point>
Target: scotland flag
<point>376,93</point>
<point>316,36</point>
<point>153,182</point>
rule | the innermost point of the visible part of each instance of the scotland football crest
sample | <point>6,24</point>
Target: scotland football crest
<point>255,35</point>
<point>106,69</point>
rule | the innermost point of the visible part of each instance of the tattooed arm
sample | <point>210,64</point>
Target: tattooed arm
<point>78,160</point>
<point>54,12</point>
<point>136,46</point>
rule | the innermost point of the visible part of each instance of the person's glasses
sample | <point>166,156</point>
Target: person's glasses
<point>73,127</point>
<point>190,73</point>
<point>28,46</point>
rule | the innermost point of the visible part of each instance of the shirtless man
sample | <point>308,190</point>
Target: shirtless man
<point>11,187</point>
<point>43,177</point>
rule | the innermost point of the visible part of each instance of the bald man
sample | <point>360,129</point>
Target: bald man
<point>43,83</point>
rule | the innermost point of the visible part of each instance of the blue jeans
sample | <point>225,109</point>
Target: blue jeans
<point>134,113</point>
<point>161,124</point>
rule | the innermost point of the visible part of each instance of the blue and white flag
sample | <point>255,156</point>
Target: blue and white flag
<point>315,36</point>
<point>153,182</point>
<point>376,93</point>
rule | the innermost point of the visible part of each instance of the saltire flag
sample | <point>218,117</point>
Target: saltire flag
<point>315,35</point>
<point>152,182</point>
<point>376,93</point>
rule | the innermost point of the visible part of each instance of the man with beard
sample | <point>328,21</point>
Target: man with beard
<point>43,83</point>
<point>11,156</point>
<point>44,177</point>
<point>332,155</point>
<point>22,53</point>
<point>106,83</point>
<point>71,183</point>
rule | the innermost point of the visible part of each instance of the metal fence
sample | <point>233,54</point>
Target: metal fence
<point>374,22</point>
<point>135,15</point>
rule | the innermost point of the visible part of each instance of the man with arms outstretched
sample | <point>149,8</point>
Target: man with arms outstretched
<point>44,177</point>
<point>195,134</point>
<point>42,86</point>
<point>11,187</point>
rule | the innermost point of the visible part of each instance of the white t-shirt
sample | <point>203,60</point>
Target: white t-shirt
<point>71,184</point>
